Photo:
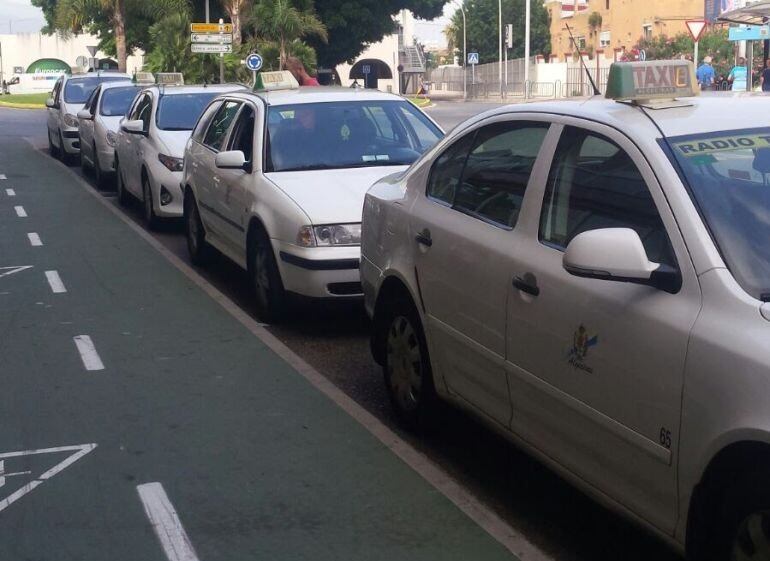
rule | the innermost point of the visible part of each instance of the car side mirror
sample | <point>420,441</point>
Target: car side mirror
<point>232,159</point>
<point>85,114</point>
<point>617,254</point>
<point>50,103</point>
<point>133,127</point>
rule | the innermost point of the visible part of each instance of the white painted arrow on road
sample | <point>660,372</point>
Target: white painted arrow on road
<point>78,451</point>
<point>5,271</point>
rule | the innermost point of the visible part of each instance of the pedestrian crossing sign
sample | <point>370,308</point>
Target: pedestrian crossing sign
<point>473,58</point>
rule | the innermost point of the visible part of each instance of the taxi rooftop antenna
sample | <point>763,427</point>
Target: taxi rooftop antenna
<point>582,62</point>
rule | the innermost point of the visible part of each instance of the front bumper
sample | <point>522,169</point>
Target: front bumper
<point>107,159</point>
<point>320,272</point>
<point>162,178</point>
<point>71,139</point>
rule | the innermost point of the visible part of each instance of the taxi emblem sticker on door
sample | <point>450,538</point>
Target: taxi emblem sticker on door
<point>581,342</point>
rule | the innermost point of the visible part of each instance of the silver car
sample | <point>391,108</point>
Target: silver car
<point>67,98</point>
<point>98,126</point>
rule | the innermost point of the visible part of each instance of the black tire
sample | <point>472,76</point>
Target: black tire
<point>124,197</point>
<point>406,364</point>
<point>269,294</point>
<point>197,247</point>
<point>52,149</point>
<point>65,158</point>
<point>744,530</point>
<point>81,159</point>
<point>150,218</point>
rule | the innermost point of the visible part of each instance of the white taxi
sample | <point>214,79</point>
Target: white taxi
<point>150,146</point>
<point>67,98</point>
<point>592,279</point>
<point>275,180</point>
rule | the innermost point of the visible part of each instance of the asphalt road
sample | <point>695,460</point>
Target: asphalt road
<point>561,521</point>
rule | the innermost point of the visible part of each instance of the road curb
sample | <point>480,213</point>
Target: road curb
<point>12,105</point>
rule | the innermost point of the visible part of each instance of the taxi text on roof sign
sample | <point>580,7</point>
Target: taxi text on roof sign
<point>656,79</point>
<point>269,81</point>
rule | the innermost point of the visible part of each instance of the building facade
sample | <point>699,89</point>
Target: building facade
<point>612,26</point>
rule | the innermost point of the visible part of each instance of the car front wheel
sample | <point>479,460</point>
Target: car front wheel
<point>266,278</point>
<point>196,236</point>
<point>124,198</point>
<point>150,218</point>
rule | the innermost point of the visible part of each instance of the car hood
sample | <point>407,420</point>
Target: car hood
<point>331,196</point>
<point>174,142</point>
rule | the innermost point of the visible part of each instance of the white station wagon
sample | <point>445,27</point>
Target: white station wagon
<point>276,180</point>
<point>592,279</point>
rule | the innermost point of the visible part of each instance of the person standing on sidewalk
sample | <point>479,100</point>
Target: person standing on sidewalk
<point>295,66</point>
<point>764,79</point>
<point>738,76</point>
<point>705,74</point>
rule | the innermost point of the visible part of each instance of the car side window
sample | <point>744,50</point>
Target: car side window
<point>593,184</point>
<point>497,171</point>
<point>205,119</point>
<point>144,111</point>
<point>56,90</point>
<point>448,169</point>
<point>243,133</point>
<point>220,124</point>
<point>93,101</point>
<point>136,109</point>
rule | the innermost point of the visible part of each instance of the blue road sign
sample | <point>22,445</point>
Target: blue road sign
<point>253,62</point>
<point>473,58</point>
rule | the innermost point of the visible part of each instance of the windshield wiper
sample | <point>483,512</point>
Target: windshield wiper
<point>375,163</point>
<point>309,167</point>
<point>174,129</point>
<point>764,296</point>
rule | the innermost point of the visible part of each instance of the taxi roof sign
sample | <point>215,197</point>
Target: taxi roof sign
<point>169,78</point>
<point>271,81</point>
<point>655,79</point>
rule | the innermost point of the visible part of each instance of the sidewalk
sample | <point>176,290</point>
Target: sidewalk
<point>258,463</point>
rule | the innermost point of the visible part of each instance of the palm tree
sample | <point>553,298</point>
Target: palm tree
<point>234,9</point>
<point>72,16</point>
<point>280,21</point>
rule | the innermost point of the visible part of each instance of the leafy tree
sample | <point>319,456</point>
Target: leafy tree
<point>354,24</point>
<point>712,43</point>
<point>283,22</point>
<point>483,30</point>
<point>75,16</point>
<point>234,9</point>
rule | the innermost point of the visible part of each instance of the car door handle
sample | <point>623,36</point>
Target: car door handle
<point>215,179</point>
<point>195,164</point>
<point>527,283</point>
<point>423,238</point>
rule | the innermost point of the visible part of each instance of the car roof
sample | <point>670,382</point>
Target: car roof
<point>710,112</point>
<point>111,85</point>
<point>319,94</point>
<point>194,88</point>
<point>100,74</point>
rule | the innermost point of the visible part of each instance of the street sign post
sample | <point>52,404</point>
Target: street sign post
<point>254,63</point>
<point>212,38</point>
<point>473,60</point>
<point>696,27</point>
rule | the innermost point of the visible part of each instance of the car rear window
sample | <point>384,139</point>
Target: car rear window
<point>116,101</point>
<point>77,90</point>
<point>180,112</point>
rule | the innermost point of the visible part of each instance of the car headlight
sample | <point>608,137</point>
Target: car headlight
<point>112,138</point>
<point>172,163</point>
<point>338,234</point>
<point>70,120</point>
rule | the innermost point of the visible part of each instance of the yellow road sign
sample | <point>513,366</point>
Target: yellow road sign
<point>211,28</point>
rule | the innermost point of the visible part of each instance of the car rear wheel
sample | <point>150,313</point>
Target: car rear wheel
<point>197,246</point>
<point>266,279</point>
<point>124,197</point>
<point>150,219</point>
<point>406,367</point>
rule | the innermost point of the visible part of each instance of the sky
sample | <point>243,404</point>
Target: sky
<point>20,16</point>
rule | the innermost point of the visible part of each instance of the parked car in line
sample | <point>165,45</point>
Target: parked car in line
<point>592,280</point>
<point>67,98</point>
<point>275,181</point>
<point>150,146</point>
<point>98,124</point>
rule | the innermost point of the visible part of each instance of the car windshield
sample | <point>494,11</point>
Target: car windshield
<point>116,101</point>
<point>347,134</point>
<point>180,111</point>
<point>77,90</point>
<point>729,178</point>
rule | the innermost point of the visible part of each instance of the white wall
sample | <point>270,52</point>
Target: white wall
<point>22,49</point>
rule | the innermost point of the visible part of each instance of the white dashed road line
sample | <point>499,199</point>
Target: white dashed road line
<point>20,212</point>
<point>34,239</point>
<point>88,353</point>
<point>10,192</point>
<point>54,280</point>
<point>166,523</point>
